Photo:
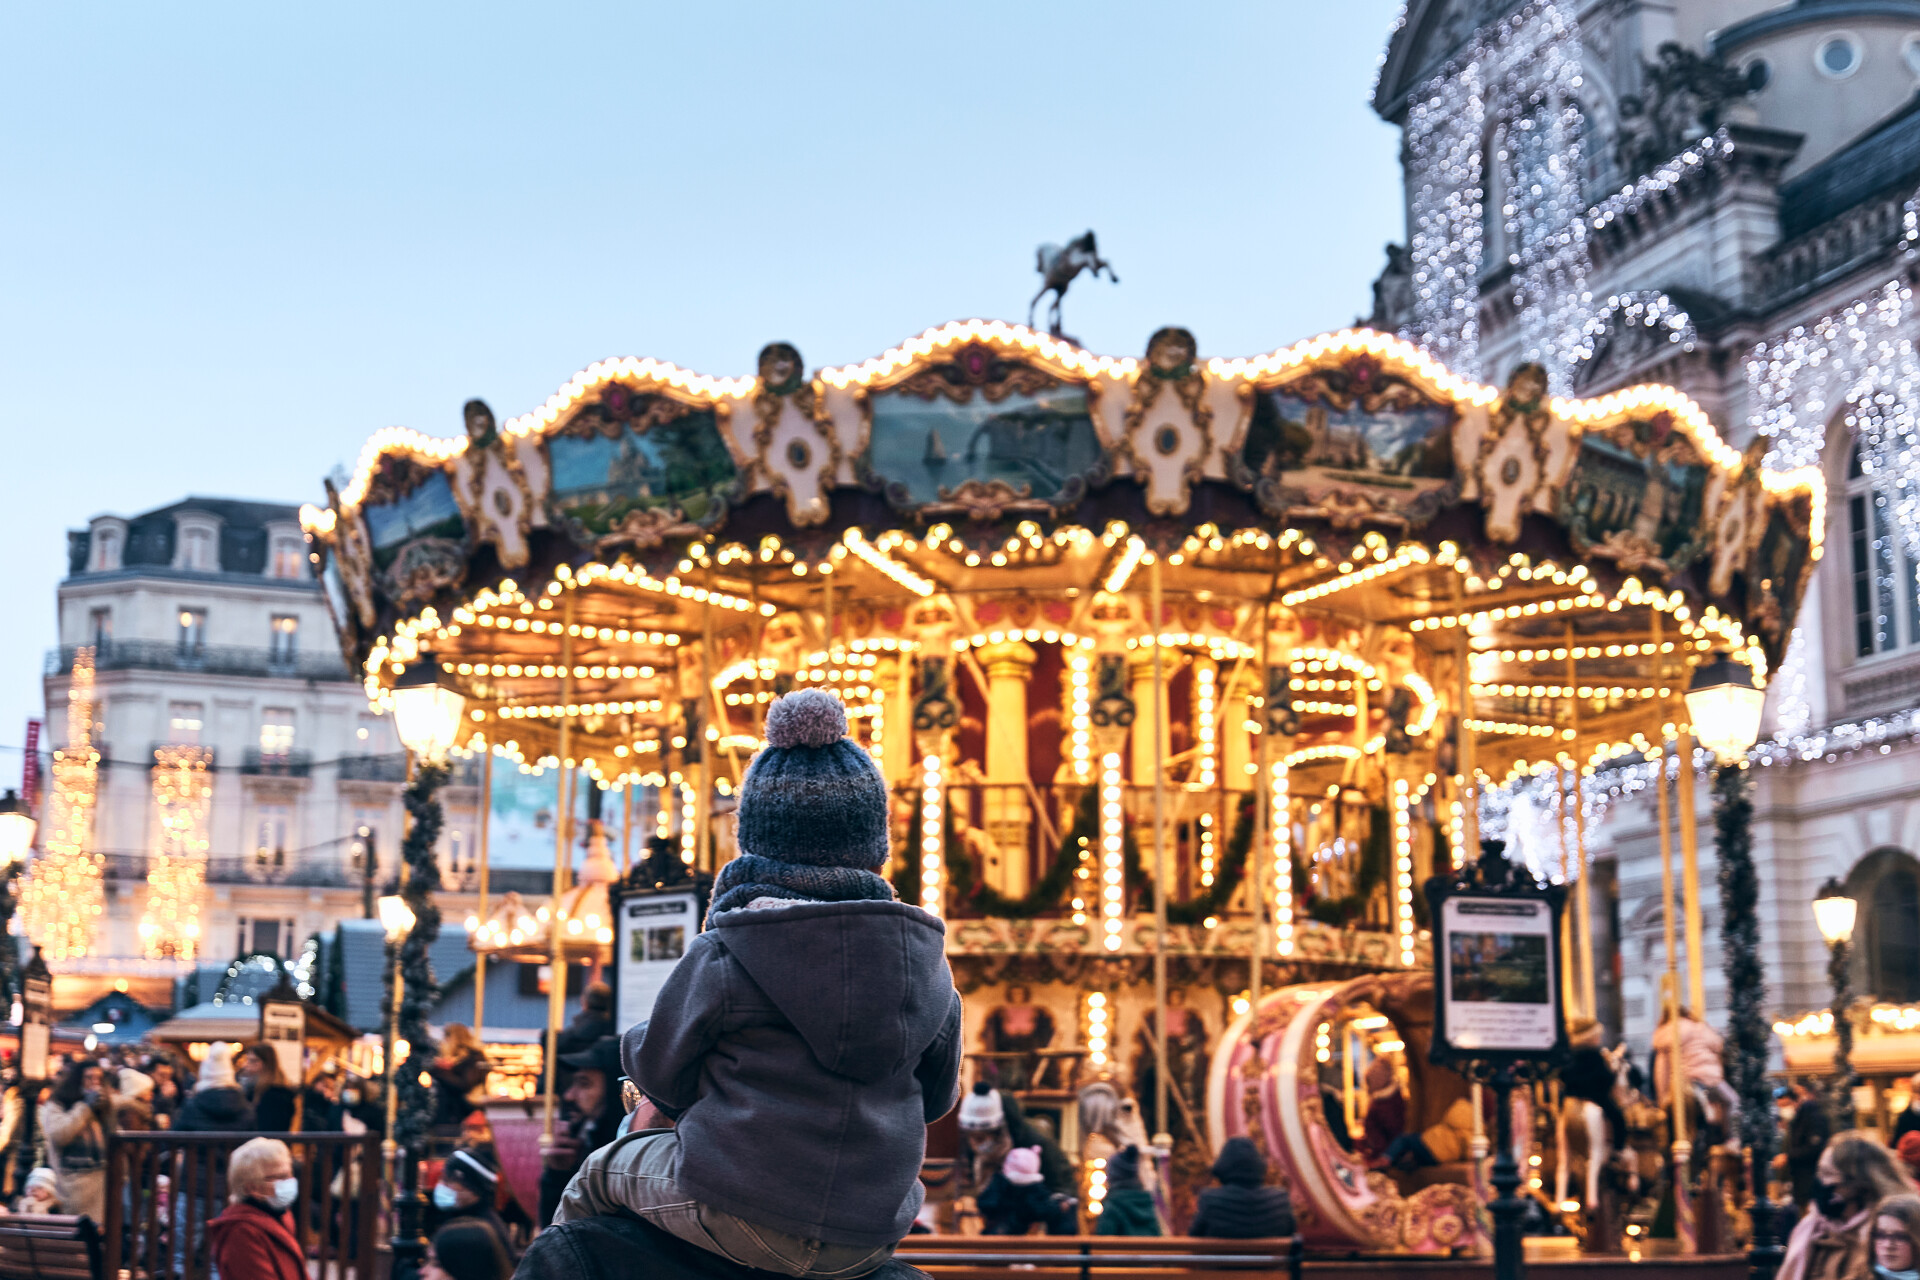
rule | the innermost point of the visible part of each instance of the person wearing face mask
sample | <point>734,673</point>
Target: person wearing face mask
<point>1832,1242</point>
<point>1896,1239</point>
<point>466,1190</point>
<point>253,1239</point>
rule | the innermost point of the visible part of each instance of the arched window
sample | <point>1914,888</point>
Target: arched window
<point>1885,605</point>
<point>1886,937</point>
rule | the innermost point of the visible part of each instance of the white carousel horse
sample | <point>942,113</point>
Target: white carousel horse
<point>1058,266</point>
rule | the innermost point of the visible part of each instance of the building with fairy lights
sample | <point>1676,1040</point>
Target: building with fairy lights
<point>1716,195</point>
<point>240,770</point>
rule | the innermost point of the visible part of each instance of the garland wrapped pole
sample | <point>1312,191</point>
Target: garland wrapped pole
<point>411,1107</point>
<point>1747,1031</point>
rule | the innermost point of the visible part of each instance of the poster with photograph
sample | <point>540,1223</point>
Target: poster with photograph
<point>653,933</point>
<point>1499,976</point>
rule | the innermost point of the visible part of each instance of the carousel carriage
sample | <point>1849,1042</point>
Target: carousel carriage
<point>1185,672</point>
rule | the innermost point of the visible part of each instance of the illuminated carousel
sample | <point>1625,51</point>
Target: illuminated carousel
<point>1184,672</point>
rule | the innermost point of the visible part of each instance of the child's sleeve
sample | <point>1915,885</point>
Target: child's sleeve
<point>663,1054</point>
<point>939,1069</point>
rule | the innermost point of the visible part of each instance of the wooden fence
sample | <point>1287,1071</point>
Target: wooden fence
<point>163,1188</point>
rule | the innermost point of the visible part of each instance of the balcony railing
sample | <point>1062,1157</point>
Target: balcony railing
<point>277,764</point>
<point>210,659</point>
<point>393,768</point>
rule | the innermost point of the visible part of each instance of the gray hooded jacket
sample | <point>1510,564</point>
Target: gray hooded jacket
<point>803,1050</point>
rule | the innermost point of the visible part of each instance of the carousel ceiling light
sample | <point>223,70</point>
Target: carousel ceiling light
<point>1725,706</point>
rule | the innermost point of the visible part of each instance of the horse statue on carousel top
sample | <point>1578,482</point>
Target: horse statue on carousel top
<point>1058,266</point>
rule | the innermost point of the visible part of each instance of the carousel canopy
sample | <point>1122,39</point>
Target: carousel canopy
<point>593,563</point>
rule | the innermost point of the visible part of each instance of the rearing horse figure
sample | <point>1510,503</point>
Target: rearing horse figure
<point>1057,267</point>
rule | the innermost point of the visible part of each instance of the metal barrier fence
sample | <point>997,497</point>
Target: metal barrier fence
<point>163,1188</point>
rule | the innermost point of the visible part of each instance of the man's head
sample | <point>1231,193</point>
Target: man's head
<point>597,998</point>
<point>596,1069</point>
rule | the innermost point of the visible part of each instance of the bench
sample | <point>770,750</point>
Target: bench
<point>1141,1257</point>
<point>50,1247</point>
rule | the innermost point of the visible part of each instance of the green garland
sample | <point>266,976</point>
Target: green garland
<point>1339,912</point>
<point>1230,870</point>
<point>417,997</point>
<point>970,891</point>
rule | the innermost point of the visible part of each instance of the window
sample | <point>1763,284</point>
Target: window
<point>184,722</point>
<point>270,840</point>
<point>459,861</point>
<point>284,638</point>
<point>371,735</point>
<point>193,632</point>
<point>100,629</point>
<point>288,559</point>
<point>276,731</point>
<point>267,937</point>
<point>106,550</point>
<point>1886,608</point>
<point>196,549</point>
<point>1886,937</point>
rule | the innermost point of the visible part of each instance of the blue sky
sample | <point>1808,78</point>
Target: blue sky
<point>238,239</point>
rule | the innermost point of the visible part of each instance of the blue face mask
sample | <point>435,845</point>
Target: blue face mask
<point>445,1197</point>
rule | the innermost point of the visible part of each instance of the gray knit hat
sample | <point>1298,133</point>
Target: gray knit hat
<point>812,796</point>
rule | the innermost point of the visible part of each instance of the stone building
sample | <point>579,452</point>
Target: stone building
<point>1713,194</point>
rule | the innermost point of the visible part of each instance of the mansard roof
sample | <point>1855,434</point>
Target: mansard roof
<point>1886,155</point>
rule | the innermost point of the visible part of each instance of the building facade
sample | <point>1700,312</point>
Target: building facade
<point>1713,194</point>
<point>208,629</point>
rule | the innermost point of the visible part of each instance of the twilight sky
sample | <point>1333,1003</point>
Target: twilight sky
<point>238,239</point>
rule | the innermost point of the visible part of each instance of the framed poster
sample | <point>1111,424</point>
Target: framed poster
<point>1497,978</point>
<point>651,934</point>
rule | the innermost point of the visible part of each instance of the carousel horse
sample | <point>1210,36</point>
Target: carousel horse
<point>1058,266</point>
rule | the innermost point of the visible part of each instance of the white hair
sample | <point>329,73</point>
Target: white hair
<point>246,1171</point>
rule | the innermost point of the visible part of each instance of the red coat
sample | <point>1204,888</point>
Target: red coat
<point>248,1243</point>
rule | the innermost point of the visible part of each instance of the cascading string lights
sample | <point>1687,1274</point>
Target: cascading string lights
<point>62,894</point>
<point>1860,356</point>
<point>1521,75</point>
<point>170,923</point>
<point>1644,308</point>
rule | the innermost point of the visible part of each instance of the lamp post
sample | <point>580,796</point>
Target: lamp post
<point>1834,912</point>
<point>428,718</point>
<point>1724,707</point>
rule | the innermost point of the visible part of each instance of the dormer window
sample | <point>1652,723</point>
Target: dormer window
<point>196,544</point>
<point>286,552</point>
<point>106,548</point>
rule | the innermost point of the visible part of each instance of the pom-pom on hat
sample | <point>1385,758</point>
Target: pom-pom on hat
<point>1022,1166</point>
<point>982,1109</point>
<point>813,796</point>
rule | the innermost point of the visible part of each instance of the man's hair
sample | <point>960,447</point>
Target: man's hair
<point>247,1169</point>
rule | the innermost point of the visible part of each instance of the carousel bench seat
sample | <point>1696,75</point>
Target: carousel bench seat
<point>1140,1257</point>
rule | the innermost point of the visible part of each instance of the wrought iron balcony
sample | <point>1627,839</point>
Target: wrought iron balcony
<point>278,764</point>
<point>211,659</point>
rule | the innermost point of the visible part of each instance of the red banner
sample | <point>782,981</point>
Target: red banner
<point>30,769</point>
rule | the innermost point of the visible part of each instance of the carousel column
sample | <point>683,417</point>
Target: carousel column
<point>1237,764</point>
<point>1009,666</point>
<point>894,676</point>
<point>934,716</point>
<point>1111,711</point>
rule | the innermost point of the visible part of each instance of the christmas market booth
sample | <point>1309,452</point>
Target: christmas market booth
<point>1186,673</point>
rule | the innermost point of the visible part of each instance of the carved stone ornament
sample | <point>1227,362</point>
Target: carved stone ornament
<point>647,527</point>
<point>797,452</point>
<point>1168,432</point>
<point>491,487</point>
<point>1510,468</point>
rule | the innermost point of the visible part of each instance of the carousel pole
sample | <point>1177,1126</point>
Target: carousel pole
<point>557,967</point>
<point>1469,789</point>
<point>480,957</point>
<point>626,828</point>
<point>1163,1139</point>
<point>1690,876</point>
<point>1582,890</point>
<point>1263,808</point>
<point>709,756</point>
<point>1682,1152</point>
<point>1570,989</point>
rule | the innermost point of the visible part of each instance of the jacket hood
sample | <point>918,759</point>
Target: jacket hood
<point>1240,1163</point>
<point>866,984</point>
<point>220,1103</point>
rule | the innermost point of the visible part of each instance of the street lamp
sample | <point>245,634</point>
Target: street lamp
<point>1724,706</point>
<point>409,1247</point>
<point>426,714</point>
<point>1834,912</point>
<point>16,829</point>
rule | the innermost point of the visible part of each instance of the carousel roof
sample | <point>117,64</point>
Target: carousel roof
<point>593,561</point>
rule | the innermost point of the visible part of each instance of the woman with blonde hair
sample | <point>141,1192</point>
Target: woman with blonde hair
<point>1833,1242</point>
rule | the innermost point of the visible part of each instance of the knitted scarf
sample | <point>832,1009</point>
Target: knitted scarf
<point>750,876</point>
